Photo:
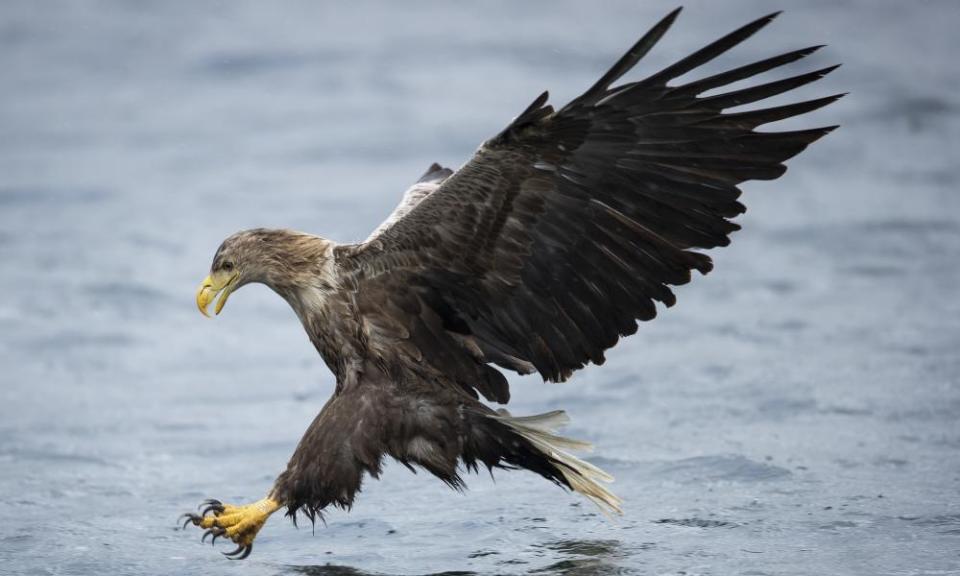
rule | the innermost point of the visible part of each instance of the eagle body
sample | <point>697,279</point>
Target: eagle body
<point>391,399</point>
<point>536,256</point>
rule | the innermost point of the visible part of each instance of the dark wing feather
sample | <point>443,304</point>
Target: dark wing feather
<point>568,227</point>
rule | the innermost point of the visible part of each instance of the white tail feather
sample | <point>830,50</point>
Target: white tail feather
<point>582,477</point>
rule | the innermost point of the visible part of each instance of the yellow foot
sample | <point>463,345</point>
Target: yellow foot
<point>238,523</point>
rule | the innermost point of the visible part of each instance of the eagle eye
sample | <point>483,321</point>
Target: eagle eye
<point>227,266</point>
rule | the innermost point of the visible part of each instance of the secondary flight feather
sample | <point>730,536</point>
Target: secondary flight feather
<point>537,255</point>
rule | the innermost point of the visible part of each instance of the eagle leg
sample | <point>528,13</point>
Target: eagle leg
<point>237,523</point>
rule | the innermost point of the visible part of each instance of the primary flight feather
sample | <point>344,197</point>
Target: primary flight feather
<point>537,255</point>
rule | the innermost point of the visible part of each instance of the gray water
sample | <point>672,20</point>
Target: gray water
<point>796,413</point>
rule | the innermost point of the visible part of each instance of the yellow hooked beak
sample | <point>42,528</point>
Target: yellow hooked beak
<point>218,283</point>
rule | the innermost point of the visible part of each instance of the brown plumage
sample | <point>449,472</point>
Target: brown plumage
<point>535,256</point>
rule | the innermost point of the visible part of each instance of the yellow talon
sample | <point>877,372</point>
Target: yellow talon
<point>238,523</point>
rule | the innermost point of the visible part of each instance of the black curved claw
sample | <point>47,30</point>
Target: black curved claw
<point>208,532</point>
<point>212,506</point>
<point>190,517</point>
<point>216,532</point>
<point>240,553</point>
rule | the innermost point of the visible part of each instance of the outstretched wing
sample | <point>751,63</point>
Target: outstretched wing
<point>566,228</point>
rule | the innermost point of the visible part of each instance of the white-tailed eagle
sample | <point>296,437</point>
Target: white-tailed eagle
<point>537,255</point>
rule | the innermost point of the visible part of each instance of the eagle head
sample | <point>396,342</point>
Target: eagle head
<point>282,259</point>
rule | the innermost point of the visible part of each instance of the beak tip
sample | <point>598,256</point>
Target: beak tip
<point>209,291</point>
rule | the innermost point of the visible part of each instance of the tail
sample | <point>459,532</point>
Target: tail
<point>550,456</point>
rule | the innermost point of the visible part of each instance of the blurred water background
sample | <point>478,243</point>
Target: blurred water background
<point>796,413</point>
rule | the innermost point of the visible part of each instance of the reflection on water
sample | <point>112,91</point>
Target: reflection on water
<point>582,567</point>
<point>335,570</point>
<point>583,558</point>
<point>588,558</point>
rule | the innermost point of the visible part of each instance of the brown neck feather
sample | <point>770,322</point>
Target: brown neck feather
<point>288,261</point>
